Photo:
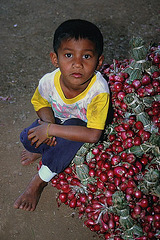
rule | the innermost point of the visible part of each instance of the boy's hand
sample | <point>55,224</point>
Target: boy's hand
<point>38,135</point>
<point>50,141</point>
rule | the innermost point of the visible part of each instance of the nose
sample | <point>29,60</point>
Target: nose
<point>78,62</point>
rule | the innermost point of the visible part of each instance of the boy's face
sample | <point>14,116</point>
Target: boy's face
<point>77,60</point>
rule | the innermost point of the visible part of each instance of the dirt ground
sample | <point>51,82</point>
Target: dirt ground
<point>26,39</point>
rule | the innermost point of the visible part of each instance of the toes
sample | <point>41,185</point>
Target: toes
<point>29,207</point>
<point>23,205</point>
<point>19,205</point>
<point>25,162</point>
<point>23,157</point>
<point>32,207</point>
<point>16,205</point>
<point>23,153</point>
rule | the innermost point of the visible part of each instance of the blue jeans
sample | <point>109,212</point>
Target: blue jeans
<point>58,157</point>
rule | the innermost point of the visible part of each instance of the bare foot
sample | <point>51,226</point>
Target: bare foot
<point>30,197</point>
<point>29,157</point>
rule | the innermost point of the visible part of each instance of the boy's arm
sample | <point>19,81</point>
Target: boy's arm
<point>74,133</point>
<point>46,114</point>
<point>42,107</point>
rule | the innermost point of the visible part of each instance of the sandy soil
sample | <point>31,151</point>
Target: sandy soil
<point>26,39</point>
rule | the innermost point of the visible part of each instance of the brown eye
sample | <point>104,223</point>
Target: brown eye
<point>68,55</point>
<point>87,56</point>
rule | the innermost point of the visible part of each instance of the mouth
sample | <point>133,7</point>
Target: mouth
<point>77,75</point>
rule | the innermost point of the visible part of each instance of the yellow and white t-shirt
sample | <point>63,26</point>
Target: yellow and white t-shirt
<point>91,105</point>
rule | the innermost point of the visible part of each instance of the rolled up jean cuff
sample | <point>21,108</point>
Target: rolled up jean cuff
<point>46,174</point>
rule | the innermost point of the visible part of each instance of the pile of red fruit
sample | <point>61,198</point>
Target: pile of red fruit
<point>119,197</point>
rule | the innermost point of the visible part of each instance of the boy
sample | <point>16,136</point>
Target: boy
<point>71,103</point>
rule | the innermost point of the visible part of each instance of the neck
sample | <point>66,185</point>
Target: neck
<point>71,92</point>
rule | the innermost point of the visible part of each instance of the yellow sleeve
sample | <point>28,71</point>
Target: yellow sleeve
<point>97,111</point>
<point>38,101</point>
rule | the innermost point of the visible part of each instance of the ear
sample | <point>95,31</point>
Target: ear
<point>100,62</point>
<point>54,59</point>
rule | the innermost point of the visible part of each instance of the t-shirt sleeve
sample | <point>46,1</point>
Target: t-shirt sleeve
<point>38,101</point>
<point>97,111</point>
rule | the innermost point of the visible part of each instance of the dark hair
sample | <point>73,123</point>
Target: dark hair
<point>78,29</point>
